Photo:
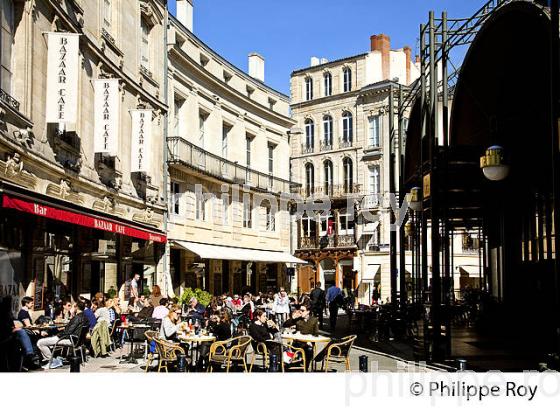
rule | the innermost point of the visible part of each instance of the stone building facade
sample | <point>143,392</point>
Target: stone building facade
<point>228,164</point>
<point>340,150</point>
<point>83,194</point>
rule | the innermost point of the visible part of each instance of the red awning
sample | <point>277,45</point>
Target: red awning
<point>80,219</point>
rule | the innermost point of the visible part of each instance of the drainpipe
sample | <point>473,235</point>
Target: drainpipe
<point>166,259</point>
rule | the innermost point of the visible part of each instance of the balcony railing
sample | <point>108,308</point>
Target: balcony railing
<point>334,241</point>
<point>183,152</point>
<point>333,191</point>
<point>326,146</point>
<point>370,201</point>
<point>9,100</point>
<point>307,149</point>
<point>345,143</point>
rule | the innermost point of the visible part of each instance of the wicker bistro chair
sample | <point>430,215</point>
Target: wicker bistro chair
<point>229,352</point>
<point>298,361</point>
<point>151,336</point>
<point>167,353</point>
<point>339,352</point>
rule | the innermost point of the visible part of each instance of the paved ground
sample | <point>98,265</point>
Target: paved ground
<point>376,362</point>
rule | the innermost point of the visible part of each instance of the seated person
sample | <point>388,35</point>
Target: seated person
<point>102,312</point>
<point>219,324</point>
<point>141,303</point>
<point>73,328</point>
<point>24,316</point>
<point>195,310</point>
<point>263,331</point>
<point>295,316</point>
<point>89,312</point>
<point>161,311</point>
<point>11,329</point>
<point>170,324</point>
<point>146,312</point>
<point>307,325</point>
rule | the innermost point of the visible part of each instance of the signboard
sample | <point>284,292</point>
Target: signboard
<point>426,186</point>
<point>106,116</point>
<point>38,293</point>
<point>62,77</point>
<point>80,219</point>
<point>141,140</point>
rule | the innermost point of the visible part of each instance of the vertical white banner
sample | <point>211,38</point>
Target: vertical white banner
<point>106,116</point>
<point>62,77</point>
<point>141,140</point>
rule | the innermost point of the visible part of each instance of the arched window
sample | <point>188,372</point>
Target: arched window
<point>309,134</point>
<point>308,88</point>
<point>6,40</point>
<point>347,76</point>
<point>327,132</point>
<point>347,128</point>
<point>328,172</point>
<point>348,174</point>
<point>309,179</point>
<point>327,82</point>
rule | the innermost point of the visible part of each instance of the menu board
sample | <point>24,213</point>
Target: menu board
<point>38,293</point>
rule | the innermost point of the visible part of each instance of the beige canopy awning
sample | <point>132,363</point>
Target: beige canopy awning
<point>206,251</point>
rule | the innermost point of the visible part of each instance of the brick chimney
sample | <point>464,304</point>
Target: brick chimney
<point>382,43</point>
<point>408,52</point>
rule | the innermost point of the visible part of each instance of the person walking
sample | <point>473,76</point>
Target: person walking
<point>281,306</point>
<point>317,297</point>
<point>335,301</point>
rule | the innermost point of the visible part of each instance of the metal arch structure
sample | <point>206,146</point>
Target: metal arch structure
<point>438,38</point>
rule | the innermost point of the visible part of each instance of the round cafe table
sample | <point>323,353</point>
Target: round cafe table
<point>299,337</point>
<point>195,341</point>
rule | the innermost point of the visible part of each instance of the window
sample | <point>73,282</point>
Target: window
<point>248,141</point>
<point>177,107</point>
<point>373,131</point>
<point>145,46</point>
<point>225,208</point>
<point>347,76</point>
<point>308,88</point>
<point>348,175</point>
<point>270,217</point>
<point>374,180</point>
<point>175,198</point>
<point>201,203</point>
<point>247,212</point>
<point>107,15</point>
<point>328,171</point>
<point>308,227</point>
<point>6,40</point>
<point>309,179</point>
<point>326,225</point>
<point>201,131</point>
<point>309,134</point>
<point>327,82</point>
<point>225,134</point>
<point>347,127</point>
<point>271,158</point>
<point>345,223</point>
<point>327,131</point>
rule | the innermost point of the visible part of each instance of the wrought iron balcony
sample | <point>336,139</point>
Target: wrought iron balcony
<point>9,100</point>
<point>185,153</point>
<point>333,241</point>
<point>345,143</point>
<point>326,146</point>
<point>333,191</point>
<point>307,149</point>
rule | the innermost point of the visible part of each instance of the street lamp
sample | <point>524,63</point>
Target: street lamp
<point>492,164</point>
<point>415,199</point>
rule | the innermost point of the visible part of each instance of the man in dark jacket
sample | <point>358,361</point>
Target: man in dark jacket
<point>73,328</point>
<point>317,297</point>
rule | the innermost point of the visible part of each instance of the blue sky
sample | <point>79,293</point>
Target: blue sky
<point>287,33</point>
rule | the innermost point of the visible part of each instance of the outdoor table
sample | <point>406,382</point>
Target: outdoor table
<point>299,337</point>
<point>130,358</point>
<point>195,340</point>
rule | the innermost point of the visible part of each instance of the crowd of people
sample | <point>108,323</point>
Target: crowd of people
<point>262,316</point>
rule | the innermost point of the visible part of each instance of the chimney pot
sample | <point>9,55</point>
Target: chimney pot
<point>408,52</point>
